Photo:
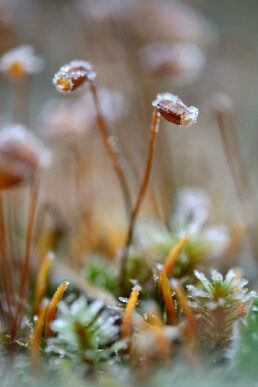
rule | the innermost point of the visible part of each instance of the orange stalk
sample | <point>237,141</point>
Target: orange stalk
<point>36,337</point>
<point>25,268</point>
<point>113,156</point>
<point>168,298</point>
<point>128,316</point>
<point>6,272</point>
<point>141,195</point>
<point>41,283</point>
<point>192,328</point>
<point>173,255</point>
<point>52,308</point>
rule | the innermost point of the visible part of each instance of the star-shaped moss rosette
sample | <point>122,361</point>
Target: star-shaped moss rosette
<point>217,305</point>
<point>85,334</point>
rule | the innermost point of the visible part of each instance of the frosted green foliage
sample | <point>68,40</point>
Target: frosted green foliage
<point>217,304</point>
<point>246,356</point>
<point>193,216</point>
<point>153,245</point>
<point>103,273</point>
<point>85,333</point>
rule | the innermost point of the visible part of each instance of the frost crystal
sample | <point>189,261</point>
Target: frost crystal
<point>174,110</point>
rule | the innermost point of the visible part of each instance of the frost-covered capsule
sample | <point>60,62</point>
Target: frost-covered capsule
<point>21,156</point>
<point>182,62</point>
<point>21,62</point>
<point>221,103</point>
<point>172,108</point>
<point>73,75</point>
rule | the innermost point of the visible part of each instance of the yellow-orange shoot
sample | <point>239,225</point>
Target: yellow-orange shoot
<point>36,337</point>
<point>168,298</point>
<point>128,316</point>
<point>42,277</point>
<point>52,308</point>
<point>173,255</point>
<point>187,309</point>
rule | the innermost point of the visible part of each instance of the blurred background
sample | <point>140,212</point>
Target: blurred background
<point>139,48</point>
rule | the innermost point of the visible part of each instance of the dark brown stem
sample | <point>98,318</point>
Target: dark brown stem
<point>25,269</point>
<point>140,197</point>
<point>6,273</point>
<point>10,228</point>
<point>113,156</point>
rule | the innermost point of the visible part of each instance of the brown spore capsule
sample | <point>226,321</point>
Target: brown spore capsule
<point>73,75</point>
<point>21,156</point>
<point>172,108</point>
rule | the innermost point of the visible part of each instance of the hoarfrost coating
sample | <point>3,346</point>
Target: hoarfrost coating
<point>73,75</point>
<point>172,108</point>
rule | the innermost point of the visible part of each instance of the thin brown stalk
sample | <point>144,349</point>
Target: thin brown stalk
<point>134,169</point>
<point>238,170</point>
<point>41,220</point>
<point>233,156</point>
<point>141,194</point>
<point>25,269</point>
<point>113,156</point>
<point>6,273</point>
<point>11,228</point>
